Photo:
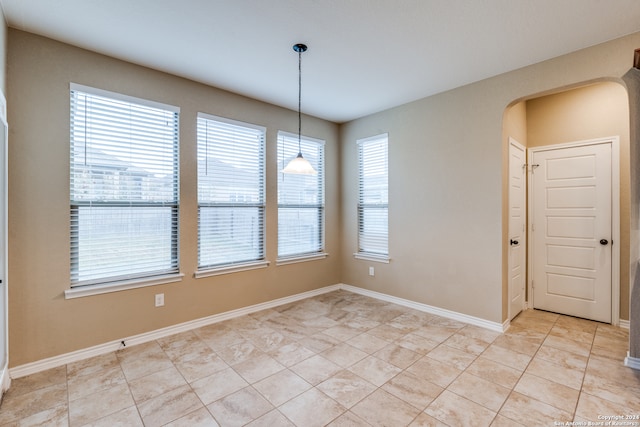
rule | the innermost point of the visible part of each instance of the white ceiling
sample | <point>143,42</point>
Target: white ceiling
<point>364,55</point>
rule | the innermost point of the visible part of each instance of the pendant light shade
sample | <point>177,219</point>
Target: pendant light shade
<point>299,165</point>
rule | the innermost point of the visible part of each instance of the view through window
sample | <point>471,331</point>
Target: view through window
<point>124,187</point>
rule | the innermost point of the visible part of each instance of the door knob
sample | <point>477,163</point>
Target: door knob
<point>515,242</point>
<point>604,242</point>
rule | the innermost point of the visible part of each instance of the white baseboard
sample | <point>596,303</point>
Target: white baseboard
<point>494,326</point>
<point>5,380</point>
<point>63,359</point>
<point>108,347</point>
<point>632,362</point>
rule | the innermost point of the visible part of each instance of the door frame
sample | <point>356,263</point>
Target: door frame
<point>5,378</point>
<point>615,216</point>
<point>515,143</point>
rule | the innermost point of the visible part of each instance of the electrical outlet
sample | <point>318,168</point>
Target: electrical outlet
<point>159,300</point>
<point>372,272</point>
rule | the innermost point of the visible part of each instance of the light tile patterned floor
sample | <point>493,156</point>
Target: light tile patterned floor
<point>342,359</point>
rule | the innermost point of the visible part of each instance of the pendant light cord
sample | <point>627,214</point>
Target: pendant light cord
<point>299,99</point>
<point>299,165</point>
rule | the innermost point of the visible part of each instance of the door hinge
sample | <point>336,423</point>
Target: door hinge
<point>533,227</point>
<point>532,285</point>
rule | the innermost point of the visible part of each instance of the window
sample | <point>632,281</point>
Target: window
<point>231,201</point>
<point>300,199</point>
<point>373,197</point>
<point>124,188</point>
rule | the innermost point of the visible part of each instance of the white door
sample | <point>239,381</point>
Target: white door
<point>517,223</point>
<point>4,371</point>
<point>572,230</point>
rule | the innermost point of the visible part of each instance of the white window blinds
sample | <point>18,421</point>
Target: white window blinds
<point>124,187</point>
<point>300,198</point>
<point>373,200</point>
<point>231,200</point>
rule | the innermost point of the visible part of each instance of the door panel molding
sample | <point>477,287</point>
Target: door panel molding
<point>614,141</point>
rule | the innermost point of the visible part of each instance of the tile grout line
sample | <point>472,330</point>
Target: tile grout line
<point>66,378</point>
<point>584,374</point>
<point>522,374</point>
<point>185,380</point>
<point>512,388</point>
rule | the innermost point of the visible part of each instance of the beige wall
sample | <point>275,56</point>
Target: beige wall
<point>444,202</point>
<point>44,324</point>
<point>514,123</point>
<point>446,177</point>
<point>594,111</point>
<point>3,53</point>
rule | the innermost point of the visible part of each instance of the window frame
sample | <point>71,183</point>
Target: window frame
<point>122,280</point>
<point>290,138</point>
<point>240,265</point>
<point>362,207</point>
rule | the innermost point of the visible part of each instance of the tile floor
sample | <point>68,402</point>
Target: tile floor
<point>342,359</point>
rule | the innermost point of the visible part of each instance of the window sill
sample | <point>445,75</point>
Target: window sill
<point>301,258</point>
<point>372,257</point>
<point>230,269</point>
<point>89,290</point>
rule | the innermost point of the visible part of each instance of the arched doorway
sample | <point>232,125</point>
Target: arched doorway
<point>588,112</point>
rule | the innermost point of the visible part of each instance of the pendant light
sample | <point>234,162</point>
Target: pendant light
<point>299,165</point>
